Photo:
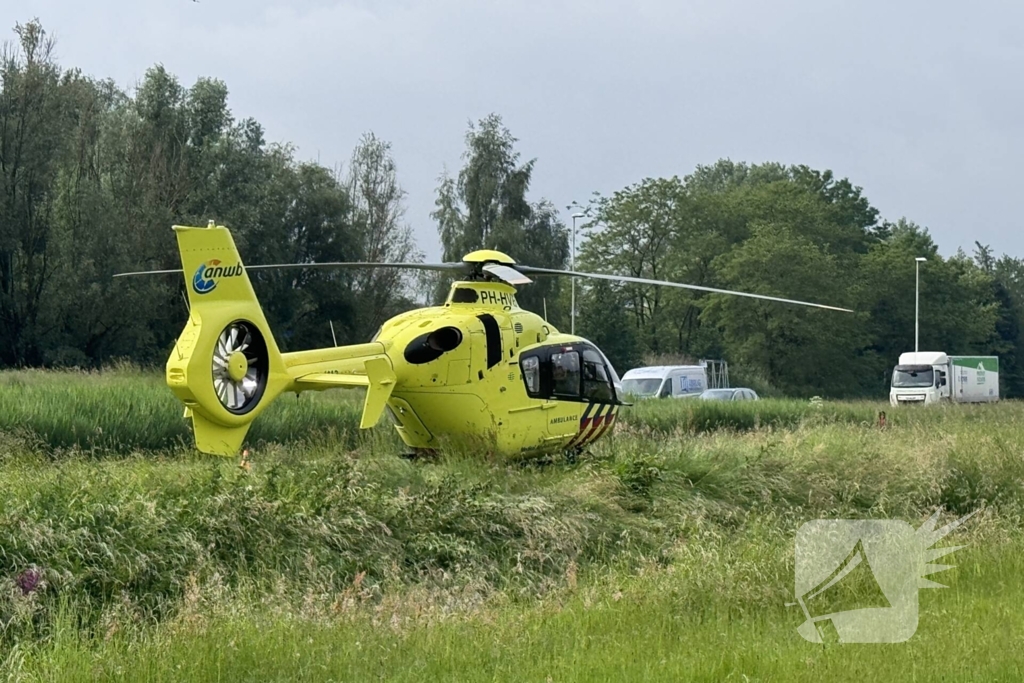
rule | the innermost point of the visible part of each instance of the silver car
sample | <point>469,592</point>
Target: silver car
<point>737,394</point>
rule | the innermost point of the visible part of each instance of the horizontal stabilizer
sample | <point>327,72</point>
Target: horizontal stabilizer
<point>379,381</point>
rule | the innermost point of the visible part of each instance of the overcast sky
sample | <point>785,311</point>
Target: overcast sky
<point>917,102</point>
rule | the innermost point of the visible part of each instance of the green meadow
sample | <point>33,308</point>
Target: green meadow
<point>665,553</point>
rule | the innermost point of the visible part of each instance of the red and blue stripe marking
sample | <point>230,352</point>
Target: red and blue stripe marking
<point>596,421</point>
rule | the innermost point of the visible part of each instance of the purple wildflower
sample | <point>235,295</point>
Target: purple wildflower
<point>28,581</point>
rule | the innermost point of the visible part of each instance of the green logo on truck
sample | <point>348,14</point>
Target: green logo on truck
<point>973,362</point>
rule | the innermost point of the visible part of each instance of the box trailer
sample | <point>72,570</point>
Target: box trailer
<point>932,376</point>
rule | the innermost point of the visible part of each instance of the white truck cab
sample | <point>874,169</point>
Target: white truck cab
<point>928,377</point>
<point>666,381</point>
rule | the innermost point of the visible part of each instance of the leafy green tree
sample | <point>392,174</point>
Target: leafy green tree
<point>486,207</point>
<point>958,311</point>
<point>813,202</point>
<point>37,125</point>
<point>848,210</point>
<point>603,319</point>
<point>489,196</point>
<point>799,350</point>
<point>1008,290</point>
<point>984,258</point>
<point>1008,342</point>
<point>675,229</point>
<point>635,233</point>
<point>92,179</point>
<point>1010,272</point>
<point>377,213</point>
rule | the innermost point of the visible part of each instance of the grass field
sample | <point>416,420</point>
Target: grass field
<point>664,554</point>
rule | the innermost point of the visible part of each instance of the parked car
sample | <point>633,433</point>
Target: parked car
<point>734,394</point>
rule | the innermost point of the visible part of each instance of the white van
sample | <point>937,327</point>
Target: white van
<point>664,381</point>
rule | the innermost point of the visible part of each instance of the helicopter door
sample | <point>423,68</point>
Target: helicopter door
<point>575,386</point>
<point>461,360</point>
<point>565,367</point>
<point>549,417</point>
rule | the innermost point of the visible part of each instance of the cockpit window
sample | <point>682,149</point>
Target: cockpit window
<point>531,374</point>
<point>565,374</point>
<point>597,386</point>
<point>464,295</point>
<point>574,373</point>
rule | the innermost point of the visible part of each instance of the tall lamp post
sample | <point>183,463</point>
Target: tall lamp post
<point>572,267</point>
<point>917,298</point>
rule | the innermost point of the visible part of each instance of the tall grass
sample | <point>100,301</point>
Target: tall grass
<point>696,416</point>
<point>328,526</point>
<point>657,626</point>
<point>129,410</point>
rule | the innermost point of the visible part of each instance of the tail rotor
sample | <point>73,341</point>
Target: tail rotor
<point>240,367</point>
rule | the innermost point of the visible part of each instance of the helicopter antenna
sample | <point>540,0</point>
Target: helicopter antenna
<point>545,309</point>
<point>331,322</point>
<point>187,306</point>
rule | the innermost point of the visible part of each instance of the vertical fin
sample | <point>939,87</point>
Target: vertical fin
<point>219,295</point>
<point>382,381</point>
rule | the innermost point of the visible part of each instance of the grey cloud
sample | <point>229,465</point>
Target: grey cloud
<point>917,102</point>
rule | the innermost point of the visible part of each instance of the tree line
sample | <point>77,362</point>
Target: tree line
<point>92,177</point>
<point>797,233</point>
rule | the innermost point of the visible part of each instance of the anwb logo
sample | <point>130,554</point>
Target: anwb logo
<point>857,581</point>
<point>205,279</point>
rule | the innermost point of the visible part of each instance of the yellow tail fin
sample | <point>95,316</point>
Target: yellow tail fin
<point>225,366</point>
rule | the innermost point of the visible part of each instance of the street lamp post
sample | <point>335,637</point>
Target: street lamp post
<point>572,267</point>
<point>917,299</point>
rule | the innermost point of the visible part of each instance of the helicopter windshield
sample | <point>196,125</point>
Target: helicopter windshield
<point>616,382</point>
<point>597,385</point>
<point>575,373</point>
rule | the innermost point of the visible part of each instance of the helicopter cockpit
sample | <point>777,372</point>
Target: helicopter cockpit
<point>569,372</point>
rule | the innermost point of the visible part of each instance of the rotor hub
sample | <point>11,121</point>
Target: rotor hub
<point>238,365</point>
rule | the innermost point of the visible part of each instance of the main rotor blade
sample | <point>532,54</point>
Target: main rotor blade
<point>507,274</point>
<point>148,272</point>
<point>644,281</point>
<point>448,267</point>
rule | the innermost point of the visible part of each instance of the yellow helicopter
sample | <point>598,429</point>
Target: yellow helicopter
<point>478,368</point>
